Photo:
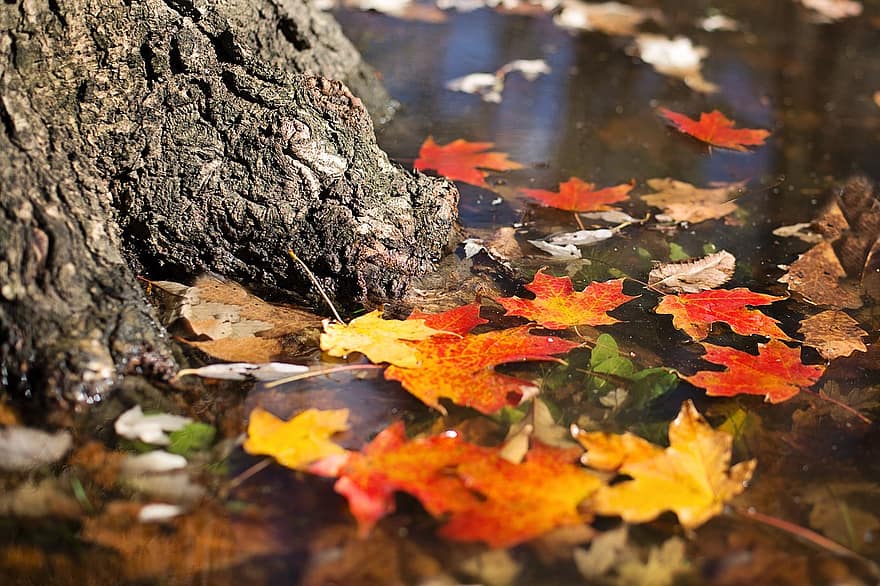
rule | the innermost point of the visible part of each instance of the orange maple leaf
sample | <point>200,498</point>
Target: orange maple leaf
<point>716,129</point>
<point>694,313</point>
<point>461,368</point>
<point>461,160</point>
<point>576,195</point>
<point>483,496</point>
<point>558,306</point>
<point>776,372</point>
<point>692,477</point>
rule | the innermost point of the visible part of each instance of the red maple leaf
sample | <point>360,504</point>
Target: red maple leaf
<point>576,195</point>
<point>558,306</point>
<point>716,129</point>
<point>459,320</point>
<point>694,313</point>
<point>776,372</point>
<point>461,160</point>
<point>483,496</point>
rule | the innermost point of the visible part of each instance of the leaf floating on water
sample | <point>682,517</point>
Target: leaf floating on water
<point>694,313</point>
<point>693,276</point>
<point>816,276</point>
<point>267,371</point>
<point>716,129</point>
<point>683,202</point>
<point>833,334</point>
<point>611,18</point>
<point>489,86</point>
<point>832,10</point>
<point>692,477</point>
<point>718,22</point>
<point>569,251</point>
<point>580,238</point>
<point>461,160</point>
<point>298,442</point>
<point>558,306</point>
<point>677,57</point>
<point>776,372</point>
<point>576,195</point>
<point>802,230</point>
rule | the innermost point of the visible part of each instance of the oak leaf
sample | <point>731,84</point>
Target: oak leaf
<point>380,340</point>
<point>461,160</point>
<point>776,372</point>
<point>692,276</point>
<point>298,442</point>
<point>692,477</point>
<point>694,313</point>
<point>558,306</point>
<point>683,202</point>
<point>576,195</point>
<point>484,496</point>
<point>833,333</point>
<point>716,129</point>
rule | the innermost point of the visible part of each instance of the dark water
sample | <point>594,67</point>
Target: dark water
<point>592,117</point>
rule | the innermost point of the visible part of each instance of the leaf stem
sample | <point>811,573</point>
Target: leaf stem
<point>321,372</point>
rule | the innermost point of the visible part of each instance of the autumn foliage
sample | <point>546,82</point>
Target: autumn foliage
<point>461,160</point>
<point>716,129</point>
<point>576,195</point>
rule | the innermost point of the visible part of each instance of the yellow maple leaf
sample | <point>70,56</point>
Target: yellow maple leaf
<point>380,340</point>
<point>692,477</point>
<point>298,442</point>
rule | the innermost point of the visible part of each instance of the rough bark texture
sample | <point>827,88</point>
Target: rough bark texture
<point>181,137</point>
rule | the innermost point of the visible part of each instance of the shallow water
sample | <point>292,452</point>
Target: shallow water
<point>594,117</point>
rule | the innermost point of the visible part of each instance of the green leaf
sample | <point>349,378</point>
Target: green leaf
<point>677,253</point>
<point>191,438</point>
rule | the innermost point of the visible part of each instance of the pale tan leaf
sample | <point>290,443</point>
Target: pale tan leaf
<point>692,276</point>
<point>833,333</point>
<point>683,202</point>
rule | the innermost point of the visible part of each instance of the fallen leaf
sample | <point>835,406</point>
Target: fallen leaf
<point>558,306</point>
<point>833,333</point>
<point>816,276</point>
<point>483,496</point>
<point>858,248</point>
<point>677,57</point>
<point>693,276</point>
<point>569,251</point>
<point>461,160</point>
<point>611,18</point>
<point>580,237</point>
<point>490,85</point>
<point>832,10</point>
<point>683,202</point>
<point>461,368</point>
<point>802,230</point>
<point>625,385</point>
<point>692,477</point>
<point>776,372</point>
<point>718,22</point>
<point>604,554</point>
<point>35,499</point>
<point>714,128</point>
<point>151,429</point>
<point>25,448</point>
<point>298,442</point>
<point>694,313</point>
<point>502,246</point>
<point>267,371</point>
<point>664,565</point>
<point>576,195</point>
<point>158,512</point>
<point>380,340</point>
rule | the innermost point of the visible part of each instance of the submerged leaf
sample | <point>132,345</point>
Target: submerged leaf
<point>692,477</point>
<point>692,276</point>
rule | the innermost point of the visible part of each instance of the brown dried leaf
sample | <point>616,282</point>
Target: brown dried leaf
<point>833,333</point>
<point>859,248</point>
<point>692,276</point>
<point>815,276</point>
<point>683,202</point>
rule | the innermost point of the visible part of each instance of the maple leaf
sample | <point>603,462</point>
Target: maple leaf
<point>692,477</point>
<point>576,195</point>
<point>683,202</point>
<point>776,372</point>
<point>461,160</point>
<point>716,129</point>
<point>298,442</point>
<point>460,368</point>
<point>484,496</point>
<point>833,333</point>
<point>694,313</point>
<point>380,340</point>
<point>691,276</point>
<point>557,305</point>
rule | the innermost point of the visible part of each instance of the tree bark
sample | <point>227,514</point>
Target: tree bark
<point>177,137</point>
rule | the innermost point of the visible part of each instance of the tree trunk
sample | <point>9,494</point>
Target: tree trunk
<point>178,137</point>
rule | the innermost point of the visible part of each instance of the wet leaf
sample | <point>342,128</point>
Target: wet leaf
<point>151,428</point>
<point>490,85</point>
<point>641,386</point>
<point>816,276</point>
<point>26,448</point>
<point>380,340</point>
<point>833,333</point>
<point>298,442</point>
<point>677,57</point>
<point>694,313</point>
<point>692,477</point>
<point>266,371</point>
<point>461,368</point>
<point>714,128</point>
<point>580,237</point>
<point>776,372</point>
<point>569,251</point>
<point>485,497</point>
<point>692,276</point>
<point>683,202</point>
<point>193,437</point>
<point>832,10</point>
<point>611,18</point>
<point>576,195</point>
<point>558,306</point>
<point>461,160</point>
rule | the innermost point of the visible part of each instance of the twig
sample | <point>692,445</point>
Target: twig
<point>840,404</point>
<point>323,371</point>
<point>317,284</point>
<point>798,531</point>
<point>238,480</point>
